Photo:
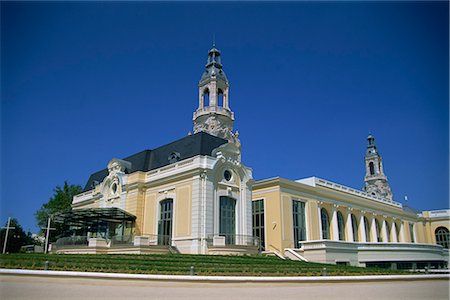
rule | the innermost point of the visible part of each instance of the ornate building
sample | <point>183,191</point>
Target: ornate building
<point>194,195</point>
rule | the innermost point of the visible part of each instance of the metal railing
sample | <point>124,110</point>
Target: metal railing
<point>232,240</point>
<point>158,239</point>
<point>71,241</point>
<point>121,240</point>
<point>114,241</point>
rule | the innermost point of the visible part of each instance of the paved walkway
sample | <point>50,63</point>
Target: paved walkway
<point>36,287</point>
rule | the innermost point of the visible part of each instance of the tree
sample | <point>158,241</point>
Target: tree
<point>16,237</point>
<point>60,202</point>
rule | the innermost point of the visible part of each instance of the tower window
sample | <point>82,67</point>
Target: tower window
<point>371,168</point>
<point>220,97</point>
<point>206,97</point>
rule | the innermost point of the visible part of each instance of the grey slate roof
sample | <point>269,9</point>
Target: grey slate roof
<point>200,143</point>
<point>410,210</point>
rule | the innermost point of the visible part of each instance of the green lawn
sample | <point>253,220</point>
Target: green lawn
<point>180,264</point>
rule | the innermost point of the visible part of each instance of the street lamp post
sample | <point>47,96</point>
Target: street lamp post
<point>47,234</point>
<point>8,227</point>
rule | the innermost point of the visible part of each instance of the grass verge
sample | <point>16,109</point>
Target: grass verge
<point>180,264</point>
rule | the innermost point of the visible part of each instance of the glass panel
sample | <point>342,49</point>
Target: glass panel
<point>442,237</point>
<point>325,224</point>
<point>227,220</point>
<point>378,231</point>
<point>258,221</point>
<point>298,216</point>
<point>367,228</point>
<point>355,228</point>
<point>341,226</point>
<point>388,229</point>
<point>165,222</point>
<point>411,230</point>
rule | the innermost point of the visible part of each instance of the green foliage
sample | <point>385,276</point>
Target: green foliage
<point>180,264</point>
<point>16,237</point>
<point>60,202</point>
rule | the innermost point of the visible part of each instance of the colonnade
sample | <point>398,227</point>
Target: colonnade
<point>362,226</point>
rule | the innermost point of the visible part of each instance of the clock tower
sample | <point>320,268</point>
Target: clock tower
<point>213,114</point>
<point>375,179</point>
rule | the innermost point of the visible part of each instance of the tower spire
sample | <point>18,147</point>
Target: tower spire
<point>376,182</point>
<point>213,114</point>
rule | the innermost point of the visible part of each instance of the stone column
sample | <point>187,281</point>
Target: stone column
<point>394,232</point>
<point>373,230</point>
<point>334,224</point>
<point>225,99</point>
<point>320,220</point>
<point>349,227</point>
<point>362,229</point>
<point>401,238</point>
<point>384,232</point>
<point>200,98</point>
<point>213,93</point>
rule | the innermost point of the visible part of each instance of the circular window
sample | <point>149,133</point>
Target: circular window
<point>227,175</point>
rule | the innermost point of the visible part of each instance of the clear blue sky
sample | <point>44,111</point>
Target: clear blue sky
<point>82,83</point>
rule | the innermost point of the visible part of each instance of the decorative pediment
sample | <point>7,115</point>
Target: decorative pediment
<point>228,152</point>
<point>116,165</point>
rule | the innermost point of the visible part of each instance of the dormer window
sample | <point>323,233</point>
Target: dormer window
<point>174,157</point>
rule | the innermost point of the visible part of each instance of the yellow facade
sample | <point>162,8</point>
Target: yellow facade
<point>394,223</point>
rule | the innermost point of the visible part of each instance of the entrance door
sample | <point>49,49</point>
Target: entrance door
<point>227,219</point>
<point>165,222</point>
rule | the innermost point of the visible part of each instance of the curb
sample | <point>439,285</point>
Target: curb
<point>187,278</point>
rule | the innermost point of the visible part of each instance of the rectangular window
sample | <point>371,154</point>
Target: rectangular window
<point>411,230</point>
<point>165,222</point>
<point>258,221</point>
<point>298,213</point>
<point>227,222</point>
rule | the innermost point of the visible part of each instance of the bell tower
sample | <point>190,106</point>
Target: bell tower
<point>213,114</point>
<point>375,180</point>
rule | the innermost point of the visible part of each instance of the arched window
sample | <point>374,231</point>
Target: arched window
<point>165,222</point>
<point>220,98</point>
<point>354,228</point>
<point>325,224</point>
<point>397,231</point>
<point>206,97</point>
<point>378,231</point>
<point>341,226</point>
<point>227,219</point>
<point>442,237</point>
<point>388,229</point>
<point>371,168</point>
<point>367,228</point>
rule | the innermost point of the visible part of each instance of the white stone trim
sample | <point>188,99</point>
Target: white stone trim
<point>224,278</point>
<point>315,181</point>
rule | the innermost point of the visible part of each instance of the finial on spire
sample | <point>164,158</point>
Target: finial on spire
<point>214,39</point>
